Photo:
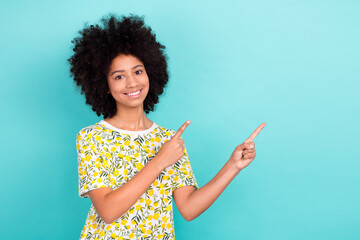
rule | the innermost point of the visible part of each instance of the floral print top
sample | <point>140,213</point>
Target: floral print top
<point>109,157</point>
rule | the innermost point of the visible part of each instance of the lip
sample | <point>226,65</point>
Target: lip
<point>134,96</point>
<point>133,91</point>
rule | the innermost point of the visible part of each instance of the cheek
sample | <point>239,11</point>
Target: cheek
<point>116,87</point>
<point>145,82</point>
<point>145,91</point>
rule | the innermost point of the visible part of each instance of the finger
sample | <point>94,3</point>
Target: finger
<point>249,145</point>
<point>239,149</point>
<point>249,155</point>
<point>246,156</point>
<point>248,151</point>
<point>245,145</point>
<point>255,133</point>
<point>177,135</point>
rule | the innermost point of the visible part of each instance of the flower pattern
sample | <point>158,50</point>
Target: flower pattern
<point>109,157</point>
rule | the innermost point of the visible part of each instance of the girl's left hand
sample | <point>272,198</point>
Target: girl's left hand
<point>245,152</point>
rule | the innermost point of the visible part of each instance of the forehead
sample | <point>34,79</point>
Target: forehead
<point>124,62</point>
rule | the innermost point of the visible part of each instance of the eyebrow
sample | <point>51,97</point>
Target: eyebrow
<point>124,70</point>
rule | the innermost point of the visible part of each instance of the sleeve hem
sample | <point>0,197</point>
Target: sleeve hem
<point>85,193</point>
<point>194,184</point>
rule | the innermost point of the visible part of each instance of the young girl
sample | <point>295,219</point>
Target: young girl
<point>129,166</point>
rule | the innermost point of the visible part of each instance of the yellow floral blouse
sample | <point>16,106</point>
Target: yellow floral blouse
<point>109,157</point>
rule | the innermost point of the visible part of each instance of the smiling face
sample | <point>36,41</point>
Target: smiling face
<point>127,76</point>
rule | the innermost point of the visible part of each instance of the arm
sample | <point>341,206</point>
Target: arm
<point>192,204</point>
<point>112,204</point>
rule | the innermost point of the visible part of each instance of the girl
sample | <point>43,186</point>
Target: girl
<point>129,166</point>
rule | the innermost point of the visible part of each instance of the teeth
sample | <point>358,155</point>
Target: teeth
<point>132,94</point>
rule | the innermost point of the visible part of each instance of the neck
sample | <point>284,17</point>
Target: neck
<point>131,119</point>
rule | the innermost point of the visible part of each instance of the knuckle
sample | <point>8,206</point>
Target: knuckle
<point>250,143</point>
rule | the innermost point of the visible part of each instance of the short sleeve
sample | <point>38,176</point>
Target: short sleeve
<point>183,173</point>
<point>92,173</point>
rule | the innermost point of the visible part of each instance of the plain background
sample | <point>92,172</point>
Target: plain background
<point>233,65</point>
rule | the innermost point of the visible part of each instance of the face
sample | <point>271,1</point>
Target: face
<point>127,76</point>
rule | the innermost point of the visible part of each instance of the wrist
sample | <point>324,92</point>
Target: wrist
<point>233,166</point>
<point>157,164</point>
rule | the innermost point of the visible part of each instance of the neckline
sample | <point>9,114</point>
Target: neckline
<point>108,125</point>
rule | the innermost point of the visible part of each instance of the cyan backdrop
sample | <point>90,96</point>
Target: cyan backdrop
<point>233,65</point>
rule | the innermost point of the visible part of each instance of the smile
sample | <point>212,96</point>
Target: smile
<point>134,93</point>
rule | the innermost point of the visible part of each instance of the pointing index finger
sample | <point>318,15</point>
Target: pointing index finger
<point>255,133</point>
<point>181,129</point>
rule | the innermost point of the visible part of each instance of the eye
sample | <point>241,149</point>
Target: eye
<point>119,77</point>
<point>138,71</point>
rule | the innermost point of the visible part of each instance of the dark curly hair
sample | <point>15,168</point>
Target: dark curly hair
<point>97,46</point>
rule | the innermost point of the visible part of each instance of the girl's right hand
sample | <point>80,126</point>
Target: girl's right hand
<point>173,149</point>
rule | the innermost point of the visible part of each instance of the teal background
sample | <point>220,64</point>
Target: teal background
<point>233,65</point>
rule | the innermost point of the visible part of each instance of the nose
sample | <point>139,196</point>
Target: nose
<point>132,82</point>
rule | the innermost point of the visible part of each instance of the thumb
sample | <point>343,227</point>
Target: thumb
<point>237,153</point>
<point>246,145</point>
<point>241,147</point>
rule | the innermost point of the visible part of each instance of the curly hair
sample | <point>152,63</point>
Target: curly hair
<point>97,46</point>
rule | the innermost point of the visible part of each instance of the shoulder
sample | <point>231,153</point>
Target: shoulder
<point>89,131</point>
